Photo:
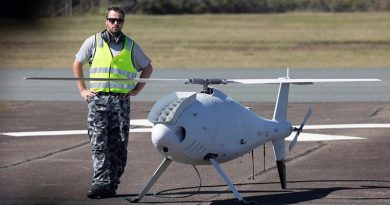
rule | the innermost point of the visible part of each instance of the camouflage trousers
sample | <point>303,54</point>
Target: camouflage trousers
<point>108,130</point>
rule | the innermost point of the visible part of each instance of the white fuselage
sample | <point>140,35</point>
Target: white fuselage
<point>211,124</point>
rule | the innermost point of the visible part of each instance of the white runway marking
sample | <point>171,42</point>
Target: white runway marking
<point>138,122</point>
<point>345,126</point>
<point>64,132</point>
<point>45,133</point>
<point>309,137</point>
<point>141,122</point>
<point>146,127</point>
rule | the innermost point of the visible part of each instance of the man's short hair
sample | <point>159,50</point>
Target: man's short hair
<point>115,8</point>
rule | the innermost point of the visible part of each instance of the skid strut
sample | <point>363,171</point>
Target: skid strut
<point>229,183</point>
<point>163,166</point>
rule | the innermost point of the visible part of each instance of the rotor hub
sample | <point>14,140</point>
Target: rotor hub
<point>206,82</point>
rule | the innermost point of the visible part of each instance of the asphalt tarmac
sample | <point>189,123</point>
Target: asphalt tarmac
<point>57,169</point>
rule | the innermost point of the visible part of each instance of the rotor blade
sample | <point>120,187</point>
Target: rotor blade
<point>307,115</point>
<point>141,80</point>
<point>206,81</point>
<point>292,144</point>
<point>298,81</point>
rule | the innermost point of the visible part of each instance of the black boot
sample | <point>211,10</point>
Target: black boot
<point>99,192</point>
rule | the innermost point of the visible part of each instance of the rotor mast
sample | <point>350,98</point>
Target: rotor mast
<point>206,82</point>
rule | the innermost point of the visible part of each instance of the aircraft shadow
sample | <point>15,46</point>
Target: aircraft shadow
<point>285,198</point>
<point>299,195</point>
<point>290,196</point>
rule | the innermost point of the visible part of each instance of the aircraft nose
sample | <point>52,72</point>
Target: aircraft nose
<point>159,134</point>
<point>166,137</point>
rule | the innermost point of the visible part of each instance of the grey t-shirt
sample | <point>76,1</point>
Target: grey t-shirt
<point>86,52</point>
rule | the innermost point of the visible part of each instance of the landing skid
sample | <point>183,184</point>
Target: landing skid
<point>163,166</point>
<point>229,183</point>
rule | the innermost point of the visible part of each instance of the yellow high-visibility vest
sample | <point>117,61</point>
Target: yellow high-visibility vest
<point>104,65</point>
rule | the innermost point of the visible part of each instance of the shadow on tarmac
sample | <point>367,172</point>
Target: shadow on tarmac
<point>289,196</point>
<point>299,195</point>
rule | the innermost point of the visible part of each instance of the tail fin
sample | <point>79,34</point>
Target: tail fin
<point>280,113</point>
<point>280,154</point>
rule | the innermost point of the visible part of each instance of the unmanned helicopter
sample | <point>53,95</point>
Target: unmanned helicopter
<point>210,128</point>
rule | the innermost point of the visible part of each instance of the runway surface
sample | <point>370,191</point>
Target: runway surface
<point>57,169</point>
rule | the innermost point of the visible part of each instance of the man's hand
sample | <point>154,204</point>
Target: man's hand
<point>78,73</point>
<point>85,93</point>
<point>146,73</point>
<point>133,92</point>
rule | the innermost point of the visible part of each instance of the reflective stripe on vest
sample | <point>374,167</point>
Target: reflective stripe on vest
<point>104,65</point>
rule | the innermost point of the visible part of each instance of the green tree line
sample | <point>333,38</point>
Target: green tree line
<point>49,8</point>
<point>259,6</point>
<point>239,6</point>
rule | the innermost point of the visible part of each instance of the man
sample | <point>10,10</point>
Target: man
<point>111,55</point>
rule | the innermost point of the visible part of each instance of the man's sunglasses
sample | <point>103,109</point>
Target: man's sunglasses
<point>113,20</point>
